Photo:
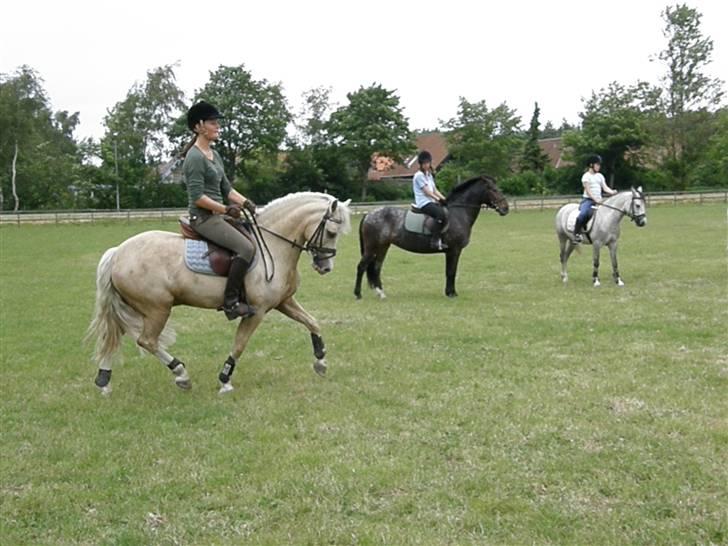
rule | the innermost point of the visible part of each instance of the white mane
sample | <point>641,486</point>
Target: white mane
<point>304,198</point>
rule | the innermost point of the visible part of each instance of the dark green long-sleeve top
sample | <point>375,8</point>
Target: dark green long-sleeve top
<point>204,177</point>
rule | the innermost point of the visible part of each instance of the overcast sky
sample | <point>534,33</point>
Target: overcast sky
<point>90,53</point>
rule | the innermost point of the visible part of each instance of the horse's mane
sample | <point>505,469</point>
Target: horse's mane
<point>464,186</point>
<point>307,197</point>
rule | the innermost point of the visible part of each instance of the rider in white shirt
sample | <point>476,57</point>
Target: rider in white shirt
<point>594,183</point>
<point>428,199</point>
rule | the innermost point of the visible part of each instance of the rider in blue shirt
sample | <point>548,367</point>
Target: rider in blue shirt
<point>428,199</point>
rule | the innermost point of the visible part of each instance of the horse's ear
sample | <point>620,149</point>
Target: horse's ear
<point>334,204</point>
<point>346,203</point>
<point>639,189</point>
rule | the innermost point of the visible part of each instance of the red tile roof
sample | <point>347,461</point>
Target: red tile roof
<point>385,168</point>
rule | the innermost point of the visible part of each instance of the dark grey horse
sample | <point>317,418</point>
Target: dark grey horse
<point>604,230</point>
<point>386,226</point>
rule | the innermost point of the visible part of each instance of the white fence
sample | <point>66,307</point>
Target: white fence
<point>515,203</point>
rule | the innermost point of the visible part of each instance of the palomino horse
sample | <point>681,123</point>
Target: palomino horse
<point>386,226</point>
<point>140,281</point>
<point>604,229</point>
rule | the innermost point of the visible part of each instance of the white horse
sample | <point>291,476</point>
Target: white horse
<point>140,281</point>
<point>604,229</point>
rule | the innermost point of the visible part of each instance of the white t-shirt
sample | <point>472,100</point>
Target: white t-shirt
<point>595,182</point>
<point>419,181</point>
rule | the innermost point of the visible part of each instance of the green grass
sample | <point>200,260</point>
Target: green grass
<point>522,412</point>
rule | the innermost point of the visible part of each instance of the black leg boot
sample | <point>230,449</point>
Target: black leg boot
<point>235,305</point>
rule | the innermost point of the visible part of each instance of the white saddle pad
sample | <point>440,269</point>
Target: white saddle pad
<point>571,221</point>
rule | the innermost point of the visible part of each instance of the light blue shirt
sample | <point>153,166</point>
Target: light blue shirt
<point>420,181</point>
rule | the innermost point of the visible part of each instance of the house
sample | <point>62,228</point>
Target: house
<point>385,169</point>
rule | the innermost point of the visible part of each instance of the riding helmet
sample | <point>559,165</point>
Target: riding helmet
<point>202,111</point>
<point>424,157</point>
<point>593,159</point>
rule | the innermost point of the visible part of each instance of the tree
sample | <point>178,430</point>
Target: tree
<point>614,125</point>
<point>313,117</point>
<point>256,116</point>
<point>534,158</point>
<point>687,87</point>
<point>136,141</point>
<point>39,163</point>
<point>483,141</point>
<point>371,123</point>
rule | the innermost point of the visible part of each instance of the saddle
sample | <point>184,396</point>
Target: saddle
<point>204,256</point>
<point>571,221</point>
<point>416,221</point>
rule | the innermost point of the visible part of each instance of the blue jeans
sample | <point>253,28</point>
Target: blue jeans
<point>585,212</point>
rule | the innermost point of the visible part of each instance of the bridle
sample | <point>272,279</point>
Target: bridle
<point>636,196</point>
<point>314,245</point>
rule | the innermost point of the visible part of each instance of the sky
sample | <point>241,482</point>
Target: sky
<point>89,54</point>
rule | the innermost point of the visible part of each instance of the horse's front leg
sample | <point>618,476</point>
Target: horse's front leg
<point>595,273</point>
<point>245,330</point>
<point>292,309</point>
<point>615,268</point>
<point>451,268</point>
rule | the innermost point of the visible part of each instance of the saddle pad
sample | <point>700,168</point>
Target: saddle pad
<point>414,222</point>
<point>571,221</point>
<point>196,257</point>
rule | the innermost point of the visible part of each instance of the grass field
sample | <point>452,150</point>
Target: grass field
<point>522,412</point>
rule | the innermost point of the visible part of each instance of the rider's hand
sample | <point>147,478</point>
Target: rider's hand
<point>249,206</point>
<point>233,211</point>
<point>443,202</point>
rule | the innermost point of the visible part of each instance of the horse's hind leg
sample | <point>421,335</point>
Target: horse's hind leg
<point>376,276</point>
<point>567,247</point>
<point>360,270</point>
<point>615,269</point>
<point>153,326</point>
<point>595,271</point>
<point>292,309</point>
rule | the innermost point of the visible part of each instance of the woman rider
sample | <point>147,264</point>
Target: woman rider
<point>428,199</point>
<point>593,182</point>
<point>207,185</point>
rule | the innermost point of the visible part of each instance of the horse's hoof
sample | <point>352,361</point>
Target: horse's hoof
<point>380,293</point>
<point>320,367</point>
<point>357,296</point>
<point>597,283</point>
<point>225,388</point>
<point>105,390</point>
<point>620,282</point>
<point>452,295</point>
<point>183,383</point>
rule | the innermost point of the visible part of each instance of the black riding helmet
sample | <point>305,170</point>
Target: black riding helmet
<point>202,111</point>
<point>593,159</point>
<point>424,156</point>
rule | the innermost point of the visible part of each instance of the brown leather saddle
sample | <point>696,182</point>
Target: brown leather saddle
<point>218,257</point>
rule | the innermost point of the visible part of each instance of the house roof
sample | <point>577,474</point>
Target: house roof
<point>384,168</point>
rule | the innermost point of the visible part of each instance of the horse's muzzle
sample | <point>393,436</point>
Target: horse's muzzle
<point>640,221</point>
<point>322,266</point>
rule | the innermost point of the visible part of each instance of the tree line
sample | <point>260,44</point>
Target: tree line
<point>667,135</point>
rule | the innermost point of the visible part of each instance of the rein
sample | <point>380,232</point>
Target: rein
<point>313,245</point>
<point>624,213</point>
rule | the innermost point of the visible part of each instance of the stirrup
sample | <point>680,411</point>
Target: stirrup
<point>438,244</point>
<point>239,310</point>
<point>578,238</point>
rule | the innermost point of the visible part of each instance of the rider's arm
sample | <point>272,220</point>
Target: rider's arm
<point>205,202</point>
<point>236,197</point>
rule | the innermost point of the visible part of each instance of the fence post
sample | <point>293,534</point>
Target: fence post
<point>128,216</point>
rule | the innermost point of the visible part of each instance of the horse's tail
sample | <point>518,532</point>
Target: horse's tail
<point>112,316</point>
<point>361,235</point>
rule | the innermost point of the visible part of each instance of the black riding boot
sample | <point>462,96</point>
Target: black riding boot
<point>436,243</point>
<point>235,305</point>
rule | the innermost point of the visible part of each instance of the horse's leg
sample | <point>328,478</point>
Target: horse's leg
<point>567,247</point>
<point>292,309</point>
<point>154,322</point>
<point>595,272</point>
<point>245,330</point>
<point>451,268</point>
<point>615,268</point>
<point>360,270</point>
<point>377,271</point>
